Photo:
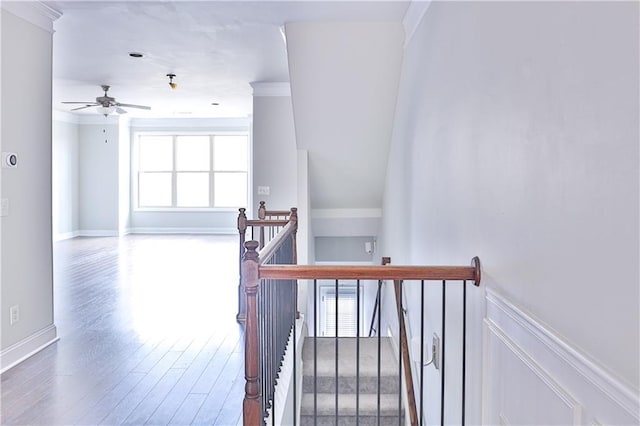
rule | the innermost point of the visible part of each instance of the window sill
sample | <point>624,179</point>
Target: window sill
<point>186,210</point>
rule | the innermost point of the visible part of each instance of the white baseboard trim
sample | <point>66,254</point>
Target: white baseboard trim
<point>211,231</point>
<point>603,398</point>
<point>28,347</point>
<point>66,235</point>
<point>97,233</point>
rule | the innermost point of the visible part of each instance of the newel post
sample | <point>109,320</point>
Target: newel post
<point>251,404</point>
<point>242,228</point>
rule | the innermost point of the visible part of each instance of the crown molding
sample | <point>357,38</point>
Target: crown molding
<point>265,88</point>
<point>413,17</point>
<point>227,123</point>
<point>65,117</point>
<point>34,12</point>
<point>98,119</point>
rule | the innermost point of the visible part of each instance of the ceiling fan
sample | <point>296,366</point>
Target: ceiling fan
<point>106,104</point>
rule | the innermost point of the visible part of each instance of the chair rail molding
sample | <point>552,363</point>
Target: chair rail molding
<point>526,360</point>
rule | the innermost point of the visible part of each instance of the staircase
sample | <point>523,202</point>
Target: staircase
<point>368,383</point>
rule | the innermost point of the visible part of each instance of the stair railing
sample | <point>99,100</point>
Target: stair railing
<point>259,274</point>
<point>265,228</point>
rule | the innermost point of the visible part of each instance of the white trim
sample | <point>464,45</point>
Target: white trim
<point>239,124</point>
<point>264,88</point>
<point>412,18</point>
<point>345,213</point>
<point>66,235</point>
<point>158,230</point>
<point>283,391</point>
<point>561,359</point>
<point>65,117</point>
<point>98,119</point>
<point>97,233</point>
<point>36,13</point>
<point>28,347</point>
<point>543,375</point>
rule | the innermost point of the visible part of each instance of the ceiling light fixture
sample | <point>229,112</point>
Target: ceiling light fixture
<point>106,110</point>
<point>173,85</point>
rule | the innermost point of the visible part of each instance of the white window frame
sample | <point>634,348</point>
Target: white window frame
<point>135,161</point>
<point>326,288</point>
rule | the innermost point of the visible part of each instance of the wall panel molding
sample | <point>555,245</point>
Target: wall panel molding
<point>593,394</point>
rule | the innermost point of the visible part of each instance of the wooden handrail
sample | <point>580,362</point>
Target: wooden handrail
<point>404,349</point>
<point>263,213</point>
<point>310,272</point>
<point>267,222</point>
<point>272,246</point>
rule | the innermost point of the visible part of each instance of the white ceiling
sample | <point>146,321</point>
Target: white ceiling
<point>216,48</point>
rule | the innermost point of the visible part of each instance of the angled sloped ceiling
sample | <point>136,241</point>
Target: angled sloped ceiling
<point>344,83</point>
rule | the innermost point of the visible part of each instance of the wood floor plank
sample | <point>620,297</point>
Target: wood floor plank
<point>131,400</point>
<point>154,398</point>
<point>188,410</point>
<point>213,405</point>
<point>142,320</point>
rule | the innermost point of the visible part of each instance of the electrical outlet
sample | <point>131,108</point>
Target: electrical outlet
<point>4,207</point>
<point>435,351</point>
<point>14,312</point>
<point>264,190</point>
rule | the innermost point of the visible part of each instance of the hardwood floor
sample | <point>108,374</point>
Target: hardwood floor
<point>147,336</point>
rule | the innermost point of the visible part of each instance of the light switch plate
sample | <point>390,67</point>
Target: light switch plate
<point>263,190</point>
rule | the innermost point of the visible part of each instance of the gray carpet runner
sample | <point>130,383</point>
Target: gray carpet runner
<point>367,403</point>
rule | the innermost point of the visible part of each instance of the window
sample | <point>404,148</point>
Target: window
<point>347,311</point>
<point>192,171</point>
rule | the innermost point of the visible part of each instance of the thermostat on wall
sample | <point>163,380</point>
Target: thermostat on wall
<point>9,160</point>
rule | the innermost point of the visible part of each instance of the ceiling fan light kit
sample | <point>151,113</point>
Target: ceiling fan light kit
<point>106,104</point>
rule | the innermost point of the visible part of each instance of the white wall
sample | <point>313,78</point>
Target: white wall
<point>344,82</point>
<point>124,176</point>
<point>99,177</point>
<point>516,136</point>
<point>65,182</point>
<point>26,232</point>
<point>275,158</point>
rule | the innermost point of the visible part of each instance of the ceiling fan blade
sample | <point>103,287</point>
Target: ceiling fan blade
<point>133,106</point>
<point>82,107</point>
<point>120,110</point>
<point>83,103</point>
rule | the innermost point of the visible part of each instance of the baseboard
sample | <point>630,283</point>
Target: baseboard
<point>163,230</point>
<point>28,347</point>
<point>527,361</point>
<point>97,233</point>
<point>66,235</point>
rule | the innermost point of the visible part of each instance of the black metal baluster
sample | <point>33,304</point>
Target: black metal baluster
<point>464,347</point>
<point>275,289</point>
<point>358,352</point>
<point>444,304</point>
<point>379,344</point>
<point>336,359</point>
<point>400,321</point>
<point>315,352</point>
<point>421,352</point>
<point>295,377</point>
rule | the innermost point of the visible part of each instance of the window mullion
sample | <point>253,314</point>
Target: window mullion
<point>211,172</point>
<point>174,175</point>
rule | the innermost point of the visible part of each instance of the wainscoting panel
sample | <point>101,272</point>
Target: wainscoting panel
<point>532,376</point>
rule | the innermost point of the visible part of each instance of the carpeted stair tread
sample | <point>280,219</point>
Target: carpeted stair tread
<point>347,357</point>
<point>368,405</point>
